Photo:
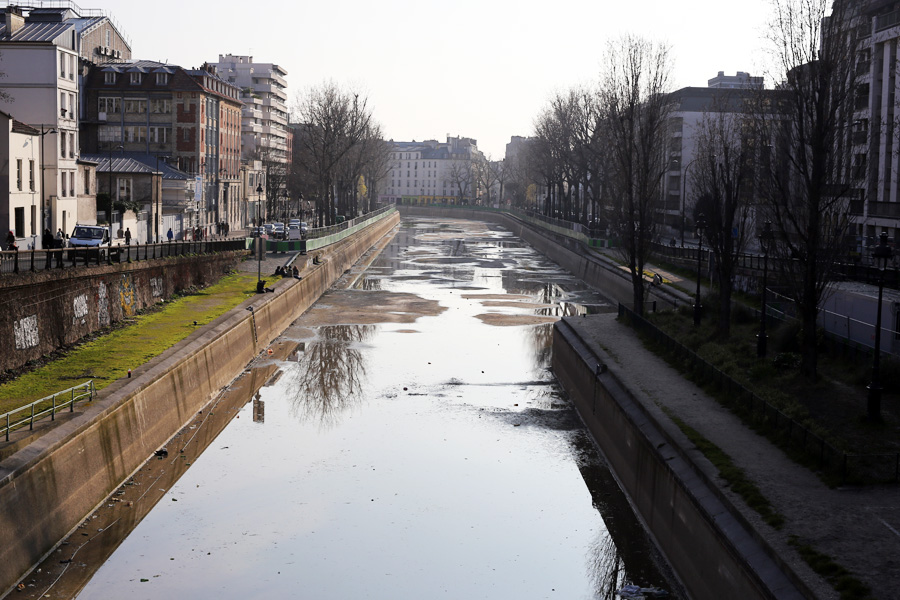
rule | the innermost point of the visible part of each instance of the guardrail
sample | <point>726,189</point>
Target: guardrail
<point>19,261</point>
<point>857,468</point>
<point>45,406</point>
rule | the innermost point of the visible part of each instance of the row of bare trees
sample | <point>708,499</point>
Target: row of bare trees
<point>339,154</point>
<point>602,154</point>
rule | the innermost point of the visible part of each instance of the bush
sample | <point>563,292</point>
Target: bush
<point>786,361</point>
<point>785,337</point>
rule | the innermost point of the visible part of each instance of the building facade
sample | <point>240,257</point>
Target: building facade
<point>187,118</point>
<point>430,171</point>
<point>20,182</point>
<point>46,50</point>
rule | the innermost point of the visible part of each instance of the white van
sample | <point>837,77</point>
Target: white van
<point>88,236</point>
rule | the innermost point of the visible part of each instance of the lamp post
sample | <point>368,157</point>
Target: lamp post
<point>43,169</point>
<point>158,190</point>
<point>765,239</point>
<point>259,239</point>
<point>882,255</point>
<point>684,174</point>
<point>701,225</point>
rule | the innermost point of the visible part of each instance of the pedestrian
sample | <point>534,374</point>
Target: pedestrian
<point>127,236</point>
<point>11,241</point>
<point>296,272</point>
<point>170,235</point>
<point>60,238</point>
<point>47,239</point>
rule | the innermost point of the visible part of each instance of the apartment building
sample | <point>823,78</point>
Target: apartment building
<point>20,182</point>
<point>46,48</point>
<point>264,118</point>
<point>431,171</point>
<point>190,119</point>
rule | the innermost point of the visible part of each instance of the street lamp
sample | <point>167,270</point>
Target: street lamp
<point>259,239</point>
<point>44,212</point>
<point>882,255</point>
<point>158,190</point>
<point>684,175</point>
<point>701,225</point>
<point>765,240</point>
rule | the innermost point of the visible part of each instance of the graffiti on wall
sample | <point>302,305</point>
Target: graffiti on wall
<point>126,295</point>
<point>156,287</point>
<point>26,332</point>
<point>103,305</point>
<point>80,309</point>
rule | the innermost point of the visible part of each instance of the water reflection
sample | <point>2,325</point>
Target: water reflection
<point>540,337</point>
<point>330,374</point>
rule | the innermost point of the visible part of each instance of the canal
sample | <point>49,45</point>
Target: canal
<point>410,442</point>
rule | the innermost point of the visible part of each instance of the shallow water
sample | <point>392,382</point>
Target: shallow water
<point>414,446</point>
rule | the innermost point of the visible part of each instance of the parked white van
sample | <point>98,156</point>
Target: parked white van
<point>88,236</point>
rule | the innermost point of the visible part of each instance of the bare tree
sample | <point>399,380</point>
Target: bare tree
<point>722,184</point>
<point>633,94</point>
<point>806,184</point>
<point>462,177</point>
<point>332,122</point>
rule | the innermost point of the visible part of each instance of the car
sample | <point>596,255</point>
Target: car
<point>278,230</point>
<point>304,228</point>
<point>88,236</point>
<point>293,222</point>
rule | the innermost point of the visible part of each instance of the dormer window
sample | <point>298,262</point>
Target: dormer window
<point>109,77</point>
<point>135,78</point>
<point>162,78</point>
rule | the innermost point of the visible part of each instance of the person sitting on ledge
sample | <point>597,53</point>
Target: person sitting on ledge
<point>296,272</point>
<point>279,270</point>
<point>261,287</point>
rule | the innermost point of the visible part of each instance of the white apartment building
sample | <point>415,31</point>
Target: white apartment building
<point>45,53</point>
<point>429,171</point>
<point>264,118</point>
<point>20,181</point>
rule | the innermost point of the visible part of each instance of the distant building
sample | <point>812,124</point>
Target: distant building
<point>264,117</point>
<point>431,171</point>
<point>190,118</point>
<point>741,81</point>
<point>47,48</point>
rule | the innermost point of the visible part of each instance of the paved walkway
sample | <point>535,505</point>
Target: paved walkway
<point>858,527</point>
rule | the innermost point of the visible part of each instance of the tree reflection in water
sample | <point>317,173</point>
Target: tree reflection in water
<point>329,375</point>
<point>606,567</point>
<point>540,337</point>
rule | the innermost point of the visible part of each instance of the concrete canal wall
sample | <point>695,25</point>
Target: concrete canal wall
<point>49,487</point>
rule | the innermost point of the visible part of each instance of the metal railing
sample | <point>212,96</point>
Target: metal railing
<point>48,405</point>
<point>20,261</point>
<point>858,468</point>
<point>332,229</point>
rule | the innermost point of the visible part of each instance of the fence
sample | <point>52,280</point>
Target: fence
<point>18,261</point>
<point>857,468</point>
<point>46,406</point>
<point>332,229</point>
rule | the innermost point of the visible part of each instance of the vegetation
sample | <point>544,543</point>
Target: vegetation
<point>849,587</point>
<point>109,355</point>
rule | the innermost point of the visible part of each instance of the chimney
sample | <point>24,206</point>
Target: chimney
<point>14,20</point>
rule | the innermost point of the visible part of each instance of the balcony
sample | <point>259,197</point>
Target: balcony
<point>271,89</point>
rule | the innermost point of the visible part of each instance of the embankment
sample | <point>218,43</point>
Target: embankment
<point>49,487</point>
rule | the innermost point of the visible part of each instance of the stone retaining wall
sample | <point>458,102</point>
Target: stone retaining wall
<point>49,487</point>
<point>46,310</point>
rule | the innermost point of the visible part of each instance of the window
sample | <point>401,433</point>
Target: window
<point>62,145</point>
<point>109,105</point>
<point>124,194</point>
<point>19,174</point>
<point>107,133</point>
<point>20,222</point>
<point>160,135</point>
<point>187,134</point>
<point>107,37</point>
<point>31,174</point>
<point>72,65</point>
<point>62,188</point>
<point>135,133</point>
<point>135,78</point>
<point>136,106</point>
<point>62,65</point>
<point>162,78</point>
<point>72,183</point>
<point>109,77</point>
<point>87,182</point>
<point>161,106</point>
<point>72,145</point>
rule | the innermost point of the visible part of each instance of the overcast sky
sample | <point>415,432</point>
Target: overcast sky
<point>475,68</point>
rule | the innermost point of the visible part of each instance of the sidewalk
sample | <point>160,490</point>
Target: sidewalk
<point>858,527</point>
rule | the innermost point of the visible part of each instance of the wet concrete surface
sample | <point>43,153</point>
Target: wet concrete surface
<point>409,442</point>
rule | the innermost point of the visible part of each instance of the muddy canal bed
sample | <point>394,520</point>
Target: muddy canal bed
<point>413,444</point>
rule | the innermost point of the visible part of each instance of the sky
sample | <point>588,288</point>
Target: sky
<point>482,69</point>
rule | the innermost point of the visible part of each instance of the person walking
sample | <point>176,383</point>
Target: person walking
<point>170,235</point>
<point>127,236</point>
<point>11,241</point>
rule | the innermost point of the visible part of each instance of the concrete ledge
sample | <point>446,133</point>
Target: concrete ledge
<point>713,551</point>
<point>50,486</point>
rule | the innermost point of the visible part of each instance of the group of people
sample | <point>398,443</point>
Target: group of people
<point>288,271</point>
<point>222,228</point>
<point>49,241</point>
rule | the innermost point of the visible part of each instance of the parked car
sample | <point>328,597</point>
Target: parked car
<point>278,230</point>
<point>88,236</point>
<point>304,228</point>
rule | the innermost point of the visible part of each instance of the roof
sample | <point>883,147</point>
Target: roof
<point>19,127</point>
<point>35,32</point>
<point>137,163</point>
